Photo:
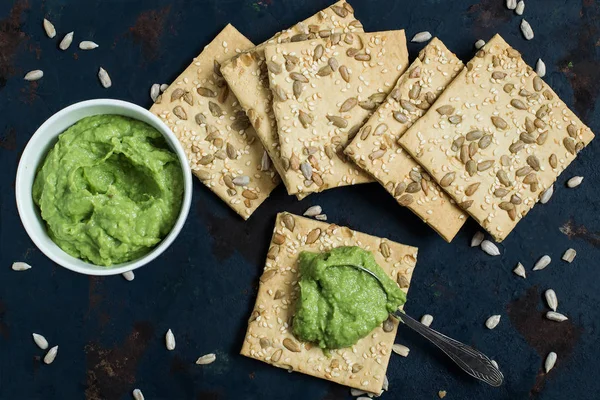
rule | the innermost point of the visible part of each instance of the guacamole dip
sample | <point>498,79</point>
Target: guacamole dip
<point>339,305</point>
<point>109,190</point>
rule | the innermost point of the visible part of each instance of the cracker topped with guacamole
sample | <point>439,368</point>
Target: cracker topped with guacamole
<point>339,304</point>
<point>109,190</point>
<point>272,336</point>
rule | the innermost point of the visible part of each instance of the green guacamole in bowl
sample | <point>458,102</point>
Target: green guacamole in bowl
<point>109,190</point>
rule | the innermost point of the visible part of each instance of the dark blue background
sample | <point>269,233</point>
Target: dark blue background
<point>111,332</point>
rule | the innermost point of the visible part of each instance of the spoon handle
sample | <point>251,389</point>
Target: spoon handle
<point>472,361</point>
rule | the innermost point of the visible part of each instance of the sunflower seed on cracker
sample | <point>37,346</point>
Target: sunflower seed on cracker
<point>51,355</point>
<point>551,299</point>
<point>477,239</point>
<point>129,275</point>
<point>34,75</point>
<point>492,321</point>
<point>479,44</point>
<point>545,197</point>
<point>569,255</point>
<point>41,341</point>
<point>490,248</point>
<point>542,263</point>
<point>421,37</point>
<point>427,319</point>
<point>540,68</point>
<point>138,395</point>
<point>66,41</point>
<point>206,359</point>
<point>575,181</point>
<point>313,211</point>
<point>104,78</point>
<point>555,316</point>
<point>49,28</point>
<point>520,270</point>
<point>20,266</point>
<point>170,340</point>
<point>526,30</point>
<point>550,361</point>
<point>511,4</point>
<point>401,349</point>
<point>87,45</point>
<point>520,9</point>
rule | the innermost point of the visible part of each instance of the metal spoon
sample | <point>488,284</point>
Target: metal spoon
<point>472,361</point>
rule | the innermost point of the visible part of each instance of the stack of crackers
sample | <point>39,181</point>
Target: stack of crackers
<point>324,104</point>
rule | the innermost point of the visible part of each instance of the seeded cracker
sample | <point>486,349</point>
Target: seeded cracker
<point>515,136</point>
<point>375,148</point>
<point>322,102</point>
<point>247,77</point>
<point>269,336</point>
<point>216,135</point>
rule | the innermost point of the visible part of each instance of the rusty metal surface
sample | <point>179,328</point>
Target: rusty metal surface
<point>111,332</point>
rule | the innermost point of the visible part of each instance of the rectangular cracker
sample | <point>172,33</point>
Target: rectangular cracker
<point>246,73</point>
<point>270,322</point>
<point>365,68</point>
<point>219,148</point>
<point>382,157</point>
<point>484,101</point>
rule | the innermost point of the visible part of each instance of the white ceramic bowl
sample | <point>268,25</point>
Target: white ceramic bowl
<point>34,154</point>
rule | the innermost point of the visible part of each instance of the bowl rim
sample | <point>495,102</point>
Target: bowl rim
<point>66,260</point>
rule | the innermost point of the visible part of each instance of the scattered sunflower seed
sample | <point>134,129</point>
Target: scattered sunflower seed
<point>400,349</point>
<point>51,355</point>
<point>540,68</point>
<point>321,217</point>
<point>574,181</point>
<point>492,321</point>
<point>313,211</point>
<point>170,340</point>
<point>66,41</point>
<point>421,37</point>
<point>490,248</point>
<point>494,363</point>
<point>551,299</point>
<point>520,9</point>
<point>542,263</point>
<point>129,275</point>
<point>477,239</point>
<point>442,394</point>
<point>479,44</point>
<point>550,361</point>
<point>41,341</point>
<point>520,270</point>
<point>87,45</point>
<point>545,197</point>
<point>511,4</point>
<point>34,75</point>
<point>427,320</point>
<point>49,28</point>
<point>526,30</point>
<point>154,92</point>
<point>569,255</point>
<point>20,266</point>
<point>206,359</point>
<point>357,392</point>
<point>386,383</point>
<point>554,316</point>
<point>137,394</point>
<point>104,78</point>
